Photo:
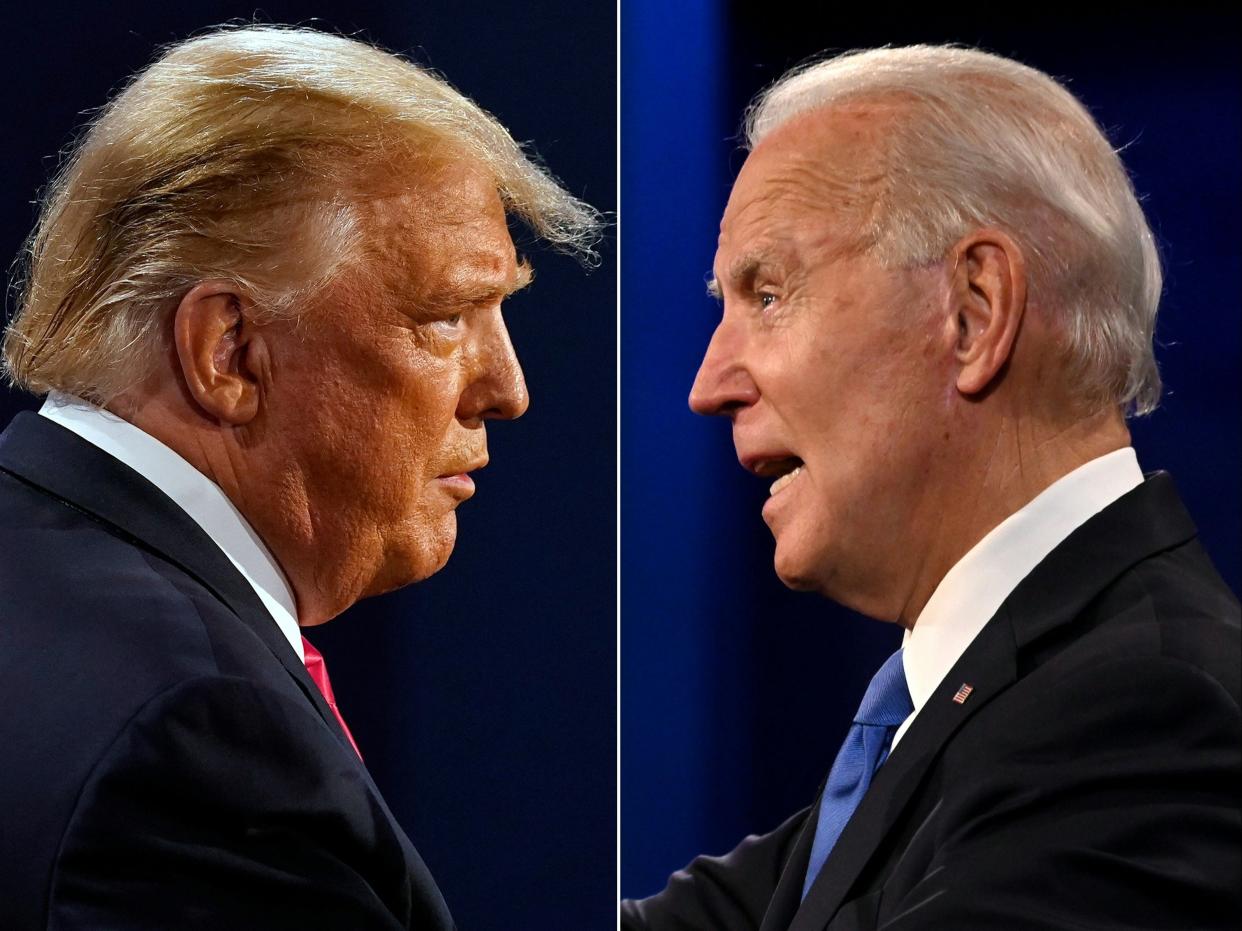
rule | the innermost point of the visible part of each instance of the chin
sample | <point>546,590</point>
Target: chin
<point>808,564</point>
<point>418,558</point>
<point>794,569</point>
<point>829,578</point>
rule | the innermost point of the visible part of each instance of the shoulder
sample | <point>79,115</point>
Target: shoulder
<point>1151,660</point>
<point>1170,610</point>
<point>95,627</point>
<point>81,599</point>
<point>1196,614</point>
<point>228,798</point>
<point>1111,764</point>
<point>96,635</point>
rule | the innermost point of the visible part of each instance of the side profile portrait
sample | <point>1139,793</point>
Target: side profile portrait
<point>938,296</point>
<point>262,305</point>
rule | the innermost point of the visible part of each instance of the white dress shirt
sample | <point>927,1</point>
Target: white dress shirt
<point>194,493</point>
<point>972,591</point>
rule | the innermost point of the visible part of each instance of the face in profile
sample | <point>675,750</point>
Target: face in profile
<point>824,361</point>
<point>385,388</point>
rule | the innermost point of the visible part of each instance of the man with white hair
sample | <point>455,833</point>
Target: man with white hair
<point>264,302</point>
<point>939,293</point>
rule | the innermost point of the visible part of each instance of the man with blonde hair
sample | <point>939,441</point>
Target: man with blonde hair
<point>263,299</point>
<point>939,293</point>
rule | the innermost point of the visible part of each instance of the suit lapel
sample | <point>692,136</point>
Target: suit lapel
<point>1143,522</point>
<point>988,667</point>
<point>57,461</point>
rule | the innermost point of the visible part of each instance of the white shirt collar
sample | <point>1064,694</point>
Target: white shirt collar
<point>193,492</point>
<point>974,589</point>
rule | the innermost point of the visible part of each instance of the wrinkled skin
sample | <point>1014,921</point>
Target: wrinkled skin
<point>344,433</point>
<point>379,397</point>
<point>924,404</point>
<point>823,355</point>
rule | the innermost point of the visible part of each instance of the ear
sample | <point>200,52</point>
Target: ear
<point>988,298</point>
<point>221,357</point>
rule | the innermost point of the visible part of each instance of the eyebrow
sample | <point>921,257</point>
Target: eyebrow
<point>522,278</point>
<point>487,293</point>
<point>713,286</point>
<point>743,268</point>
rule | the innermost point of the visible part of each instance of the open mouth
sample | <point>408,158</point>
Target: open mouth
<point>783,470</point>
<point>785,479</point>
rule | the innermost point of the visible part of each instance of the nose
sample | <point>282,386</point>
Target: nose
<point>497,388</point>
<point>723,385</point>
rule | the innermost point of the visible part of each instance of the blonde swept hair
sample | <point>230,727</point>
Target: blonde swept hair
<point>239,154</point>
<point>985,140</point>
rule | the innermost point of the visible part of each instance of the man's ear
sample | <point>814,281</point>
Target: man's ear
<point>987,300</point>
<point>221,357</point>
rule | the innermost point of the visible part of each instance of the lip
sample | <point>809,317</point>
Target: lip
<point>771,463</point>
<point>776,500</point>
<point>766,463</point>
<point>460,484</point>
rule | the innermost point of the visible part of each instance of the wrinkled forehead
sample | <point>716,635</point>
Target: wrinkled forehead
<point>820,172</point>
<point>444,227</point>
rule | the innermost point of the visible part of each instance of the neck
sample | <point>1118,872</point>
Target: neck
<point>1018,458</point>
<point>227,456</point>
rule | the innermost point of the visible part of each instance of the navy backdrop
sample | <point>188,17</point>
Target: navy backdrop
<point>485,698</point>
<point>735,692</point>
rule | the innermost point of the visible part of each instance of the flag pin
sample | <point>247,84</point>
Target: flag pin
<point>963,693</point>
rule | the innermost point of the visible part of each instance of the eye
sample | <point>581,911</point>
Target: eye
<point>766,300</point>
<point>447,327</point>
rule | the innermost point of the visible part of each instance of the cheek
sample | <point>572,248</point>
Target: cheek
<point>400,407</point>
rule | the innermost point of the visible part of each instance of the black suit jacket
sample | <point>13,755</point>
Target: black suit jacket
<point>167,761</point>
<point>1092,778</point>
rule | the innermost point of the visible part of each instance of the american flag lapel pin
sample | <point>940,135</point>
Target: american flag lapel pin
<point>963,693</point>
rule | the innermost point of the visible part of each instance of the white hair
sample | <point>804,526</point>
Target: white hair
<point>981,140</point>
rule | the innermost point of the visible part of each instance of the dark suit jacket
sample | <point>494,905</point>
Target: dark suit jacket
<point>1092,779</point>
<point>167,761</point>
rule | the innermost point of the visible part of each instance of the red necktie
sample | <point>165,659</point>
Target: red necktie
<point>319,675</point>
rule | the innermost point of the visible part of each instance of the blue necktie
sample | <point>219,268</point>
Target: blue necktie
<point>886,704</point>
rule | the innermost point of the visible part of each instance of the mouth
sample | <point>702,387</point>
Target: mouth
<point>785,479</point>
<point>457,479</point>
<point>782,468</point>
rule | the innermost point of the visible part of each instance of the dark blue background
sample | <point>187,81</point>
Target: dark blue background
<point>735,692</point>
<point>483,699</point>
